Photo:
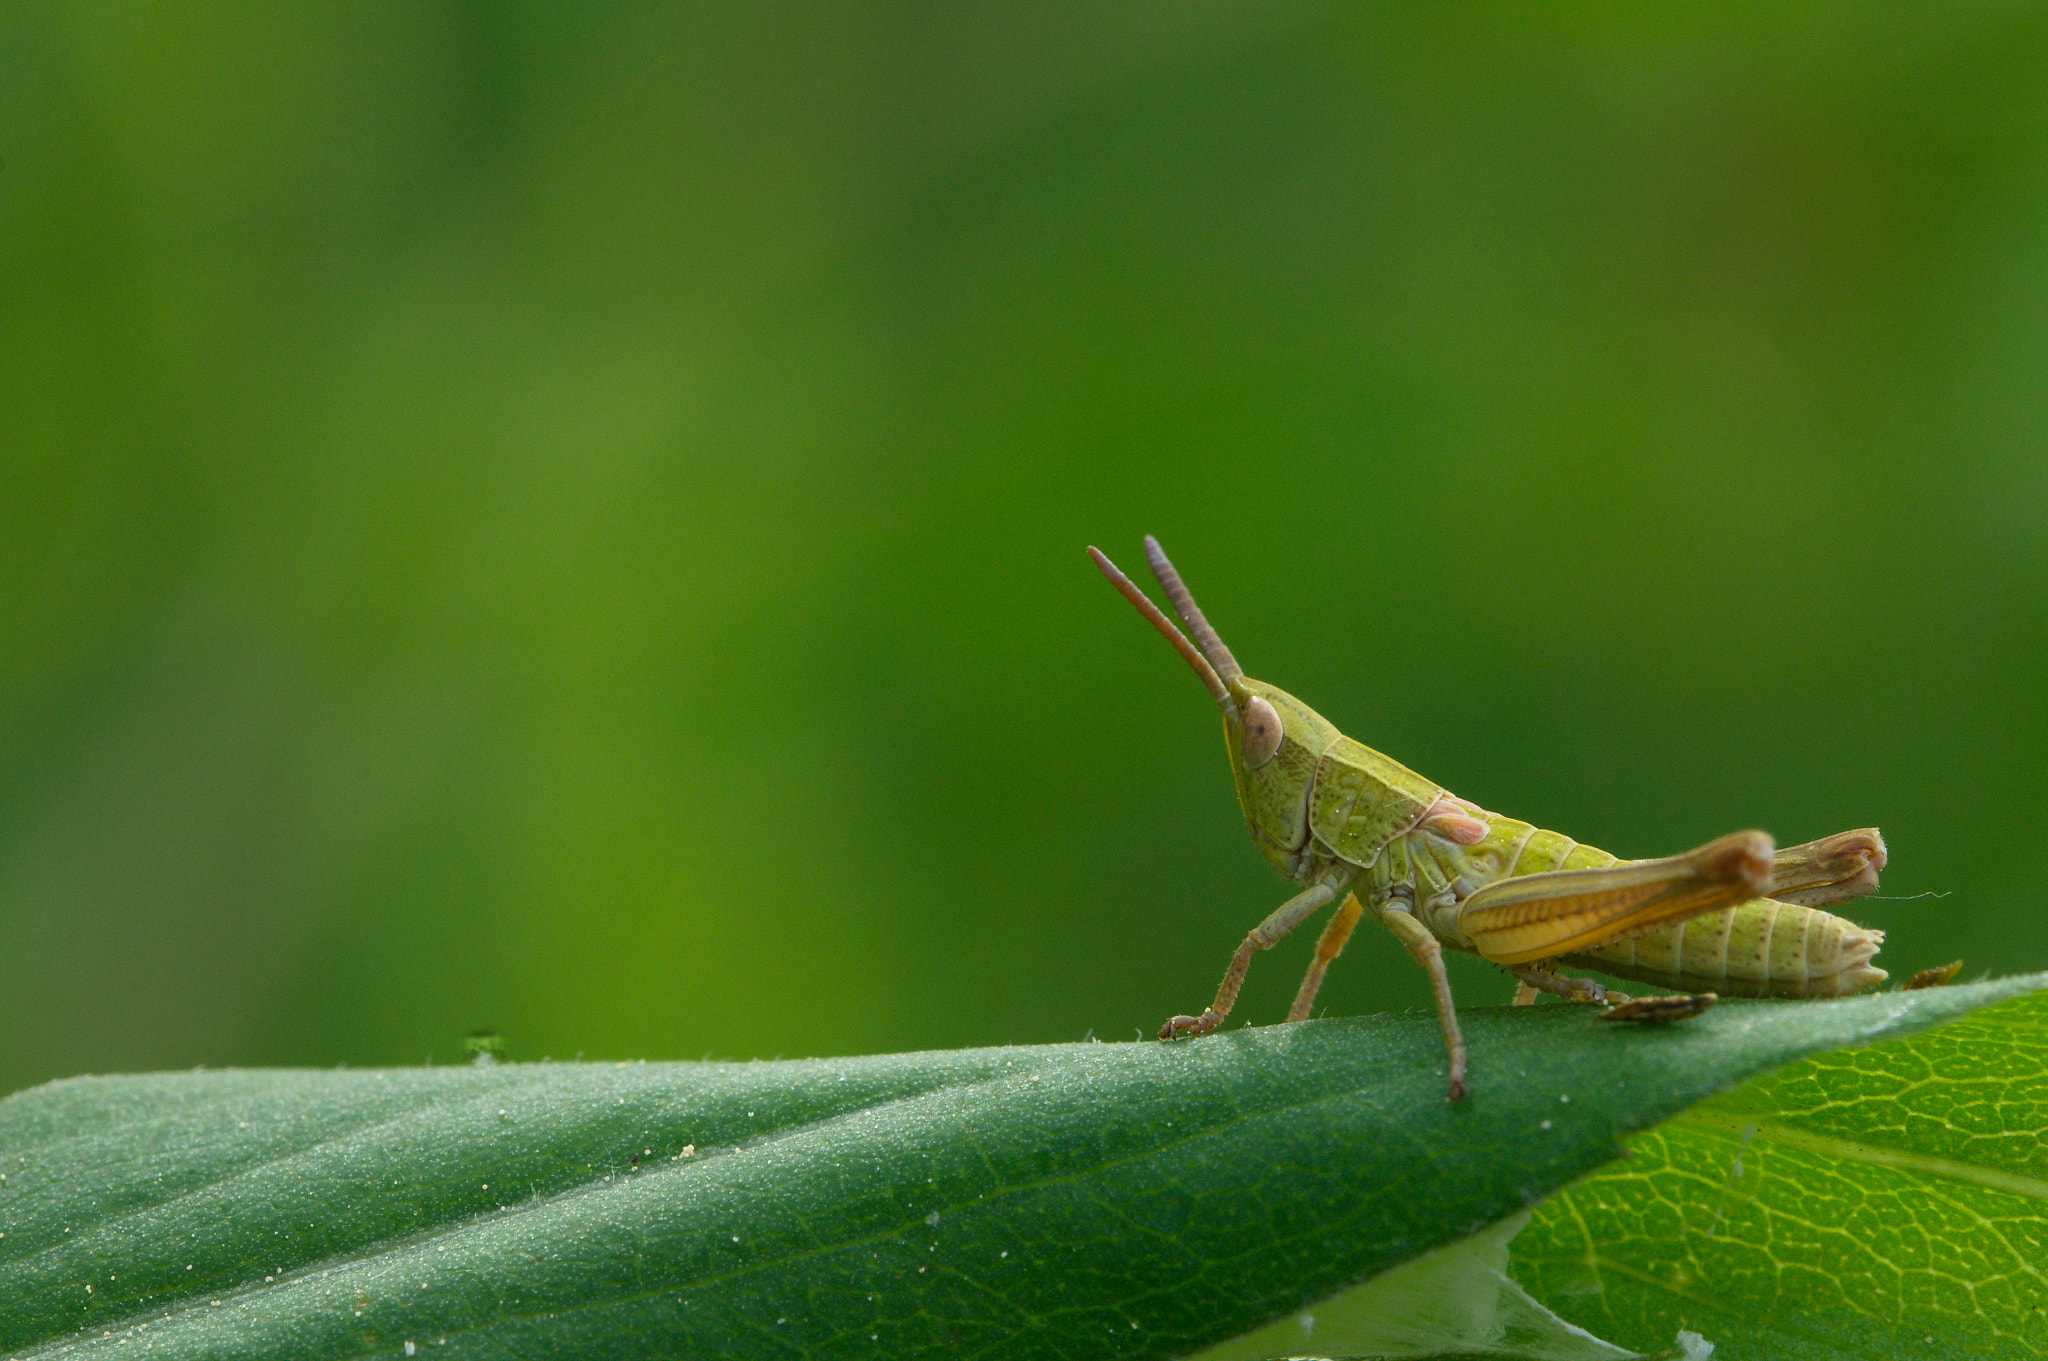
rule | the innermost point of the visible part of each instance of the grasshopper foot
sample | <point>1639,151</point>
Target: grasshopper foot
<point>1192,1025</point>
<point>1661,1010</point>
<point>1932,978</point>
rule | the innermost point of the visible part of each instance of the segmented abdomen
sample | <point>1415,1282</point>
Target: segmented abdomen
<point>1761,948</point>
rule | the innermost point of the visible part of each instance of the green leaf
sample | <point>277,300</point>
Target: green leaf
<point>1125,1200</point>
<point>1883,1202</point>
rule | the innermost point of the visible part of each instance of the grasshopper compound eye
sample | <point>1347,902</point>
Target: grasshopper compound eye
<point>1261,732</point>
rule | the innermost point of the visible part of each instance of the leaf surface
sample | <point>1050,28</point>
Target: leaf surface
<point>1092,1200</point>
<point>1887,1202</point>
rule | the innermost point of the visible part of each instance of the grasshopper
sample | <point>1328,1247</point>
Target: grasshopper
<point>1738,916</point>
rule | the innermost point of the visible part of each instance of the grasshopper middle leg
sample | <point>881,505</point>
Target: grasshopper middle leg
<point>1429,953</point>
<point>1328,946</point>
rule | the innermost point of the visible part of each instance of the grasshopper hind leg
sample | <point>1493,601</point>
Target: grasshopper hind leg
<point>1531,918</point>
<point>1834,869</point>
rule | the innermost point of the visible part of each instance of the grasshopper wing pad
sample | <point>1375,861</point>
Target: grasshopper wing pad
<point>1539,916</point>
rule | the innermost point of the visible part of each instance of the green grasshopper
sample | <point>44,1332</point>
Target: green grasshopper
<point>1737,915</point>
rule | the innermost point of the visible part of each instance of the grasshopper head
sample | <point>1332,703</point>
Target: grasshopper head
<point>1274,775</point>
<point>1273,738</point>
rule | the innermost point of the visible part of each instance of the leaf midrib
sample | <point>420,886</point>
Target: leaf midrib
<point>1777,1323</point>
<point>1849,1150</point>
<point>410,1243</point>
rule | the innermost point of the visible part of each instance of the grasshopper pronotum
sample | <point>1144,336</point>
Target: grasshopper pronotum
<point>1735,916</point>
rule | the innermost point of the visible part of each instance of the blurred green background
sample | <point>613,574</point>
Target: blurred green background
<point>568,519</point>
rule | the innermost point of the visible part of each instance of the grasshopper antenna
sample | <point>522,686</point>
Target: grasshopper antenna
<point>1227,669</point>
<point>1186,649</point>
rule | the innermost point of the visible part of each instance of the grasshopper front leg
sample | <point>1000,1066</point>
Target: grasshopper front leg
<point>1288,916</point>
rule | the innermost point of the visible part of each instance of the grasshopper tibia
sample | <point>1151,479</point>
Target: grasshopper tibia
<point>1535,978</point>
